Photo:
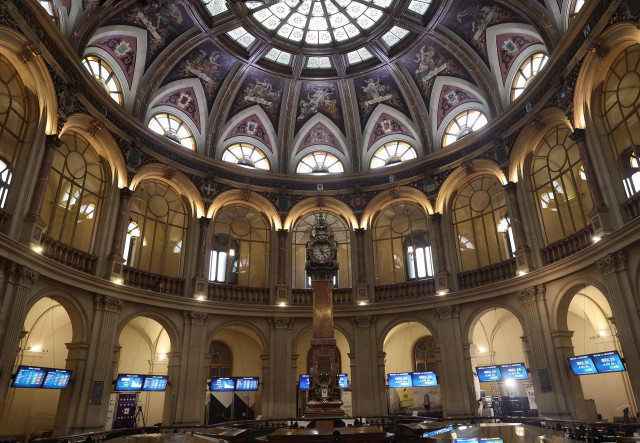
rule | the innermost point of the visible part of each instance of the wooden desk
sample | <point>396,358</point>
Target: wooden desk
<point>322,435</point>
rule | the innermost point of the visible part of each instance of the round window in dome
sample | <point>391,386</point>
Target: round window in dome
<point>246,155</point>
<point>391,154</point>
<point>105,76</point>
<point>320,162</point>
<point>462,125</point>
<point>173,128</point>
<point>527,71</point>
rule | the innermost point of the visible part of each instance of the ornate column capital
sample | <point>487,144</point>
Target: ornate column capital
<point>204,222</point>
<point>531,295</point>
<point>447,312</point>
<point>578,135</point>
<point>126,193</point>
<point>53,141</point>
<point>363,321</point>
<point>435,217</point>
<point>196,318</point>
<point>283,232</point>
<point>281,322</point>
<point>108,303</point>
<point>612,262</point>
<point>22,275</point>
<point>510,188</point>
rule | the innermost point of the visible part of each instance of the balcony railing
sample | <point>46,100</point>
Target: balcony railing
<point>341,296</point>
<point>405,291</point>
<point>238,294</point>
<point>568,246</point>
<point>489,274</point>
<point>65,254</point>
<point>632,206</point>
<point>153,282</point>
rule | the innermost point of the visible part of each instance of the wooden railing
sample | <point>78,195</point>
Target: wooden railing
<point>238,294</point>
<point>341,296</point>
<point>153,282</point>
<point>632,206</point>
<point>405,291</point>
<point>67,255</point>
<point>488,274</point>
<point>568,246</point>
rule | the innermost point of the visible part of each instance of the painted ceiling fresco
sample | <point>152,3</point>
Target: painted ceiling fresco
<point>123,49</point>
<point>322,98</point>
<point>385,126</point>
<point>377,88</point>
<point>264,90</point>
<point>319,134</point>
<point>184,100</point>
<point>251,127</point>
<point>510,46</point>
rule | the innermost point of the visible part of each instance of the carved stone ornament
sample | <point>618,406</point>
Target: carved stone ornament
<point>22,275</point>
<point>196,318</point>
<point>281,322</point>
<point>612,262</point>
<point>446,312</point>
<point>531,294</point>
<point>53,141</point>
<point>108,303</point>
<point>363,321</point>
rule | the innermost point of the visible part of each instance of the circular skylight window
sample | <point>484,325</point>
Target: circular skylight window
<point>319,22</point>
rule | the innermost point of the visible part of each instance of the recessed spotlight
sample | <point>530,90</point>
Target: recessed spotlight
<point>200,298</point>
<point>282,304</point>
<point>522,273</point>
<point>37,249</point>
<point>362,302</point>
<point>596,238</point>
<point>441,293</point>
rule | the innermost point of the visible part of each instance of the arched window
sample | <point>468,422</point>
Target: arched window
<point>173,128</point>
<point>527,70</point>
<point>131,242</point>
<point>391,154</point>
<point>105,76</point>
<point>221,362</point>
<point>13,123</point>
<point>160,218</point>
<point>240,253</point>
<point>75,189</point>
<point>302,229</point>
<point>401,245</point>
<point>478,211</point>
<point>621,110</point>
<point>319,163</point>
<point>424,355</point>
<point>462,125</point>
<point>559,185</point>
<point>246,155</point>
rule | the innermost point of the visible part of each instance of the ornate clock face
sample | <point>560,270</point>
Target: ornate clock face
<point>321,252</point>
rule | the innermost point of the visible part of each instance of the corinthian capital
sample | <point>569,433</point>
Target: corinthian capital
<point>531,294</point>
<point>108,303</point>
<point>281,322</point>
<point>446,312</point>
<point>196,318</point>
<point>612,262</point>
<point>22,275</point>
<point>363,321</point>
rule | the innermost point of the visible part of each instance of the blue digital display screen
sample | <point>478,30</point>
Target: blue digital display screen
<point>28,377</point>
<point>514,371</point>
<point>129,382</point>
<point>582,365</point>
<point>489,373</point>
<point>343,381</point>
<point>222,384</point>
<point>608,362</point>
<point>491,440</point>
<point>56,379</point>
<point>155,383</point>
<point>437,432</point>
<point>400,380</point>
<point>247,383</point>
<point>305,381</point>
<point>466,440</point>
<point>419,379</point>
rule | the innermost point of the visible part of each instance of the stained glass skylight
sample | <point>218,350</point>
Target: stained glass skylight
<point>241,36</point>
<point>419,6</point>
<point>216,7</point>
<point>319,22</point>
<point>278,56</point>
<point>359,56</point>
<point>394,35</point>
<point>318,63</point>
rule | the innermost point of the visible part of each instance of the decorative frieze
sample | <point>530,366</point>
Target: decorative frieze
<point>363,321</point>
<point>613,262</point>
<point>108,303</point>
<point>447,312</point>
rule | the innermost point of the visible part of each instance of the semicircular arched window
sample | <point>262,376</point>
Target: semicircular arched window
<point>526,72</point>
<point>246,155</point>
<point>392,154</point>
<point>173,128</point>
<point>319,162</point>
<point>462,125</point>
<point>104,75</point>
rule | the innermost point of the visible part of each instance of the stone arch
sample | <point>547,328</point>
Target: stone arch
<point>79,318</point>
<point>172,331</point>
<point>343,155</point>
<point>296,339</point>
<point>383,199</point>
<point>560,306</point>
<point>475,316</point>
<point>398,321</point>
<point>463,174</point>
<point>312,204</point>
<point>259,334</point>
<point>176,180</point>
<point>247,198</point>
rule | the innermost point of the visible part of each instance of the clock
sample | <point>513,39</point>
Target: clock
<point>321,251</point>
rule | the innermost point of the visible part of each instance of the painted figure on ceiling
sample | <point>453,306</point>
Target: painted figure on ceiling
<point>322,99</point>
<point>261,92</point>
<point>475,19</point>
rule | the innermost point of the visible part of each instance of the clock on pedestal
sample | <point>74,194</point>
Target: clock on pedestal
<point>321,265</point>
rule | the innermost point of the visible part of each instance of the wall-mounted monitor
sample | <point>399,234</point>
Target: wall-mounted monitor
<point>222,384</point>
<point>28,377</point>
<point>488,373</point>
<point>466,440</point>
<point>129,382</point>
<point>247,383</point>
<point>514,371</point>
<point>400,380</point>
<point>582,365</point>
<point>343,381</point>
<point>56,379</point>
<point>155,383</point>
<point>608,362</point>
<point>491,440</point>
<point>419,379</point>
<point>437,432</point>
<point>305,381</point>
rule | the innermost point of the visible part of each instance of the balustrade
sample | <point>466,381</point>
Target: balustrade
<point>341,296</point>
<point>406,290</point>
<point>568,246</point>
<point>238,294</point>
<point>488,274</point>
<point>153,282</point>
<point>67,255</point>
<point>632,206</point>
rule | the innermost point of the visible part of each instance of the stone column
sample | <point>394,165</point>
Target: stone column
<point>523,259</point>
<point>13,310</point>
<point>368,395</point>
<point>31,231</point>
<point>621,290</point>
<point>442,274</point>
<point>266,384</point>
<point>201,281</point>
<point>599,214</point>
<point>456,381</point>
<point>362,288</point>
<point>564,349</point>
<point>192,382</point>
<point>69,401</point>
<point>115,259</point>
<point>281,381</point>
<point>282,288</point>
<point>553,398</point>
<point>171,394</point>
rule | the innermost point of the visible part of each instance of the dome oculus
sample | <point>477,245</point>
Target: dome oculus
<point>319,22</point>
